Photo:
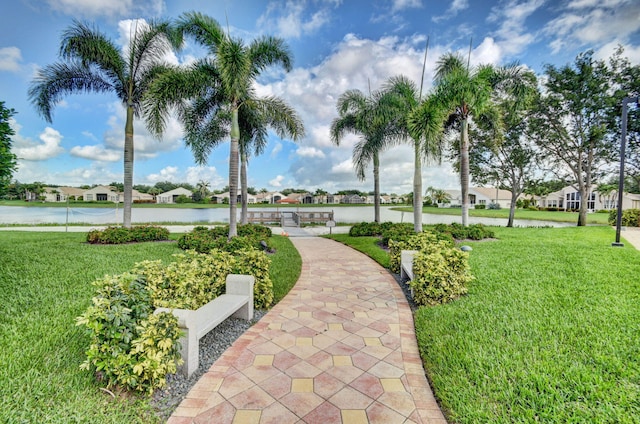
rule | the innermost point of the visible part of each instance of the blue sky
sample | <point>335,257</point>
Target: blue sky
<point>337,45</point>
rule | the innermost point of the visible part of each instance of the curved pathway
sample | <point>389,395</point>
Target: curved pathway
<point>339,348</point>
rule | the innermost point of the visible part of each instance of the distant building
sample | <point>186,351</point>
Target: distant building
<point>171,195</point>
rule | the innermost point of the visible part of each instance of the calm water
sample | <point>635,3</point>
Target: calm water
<point>103,216</point>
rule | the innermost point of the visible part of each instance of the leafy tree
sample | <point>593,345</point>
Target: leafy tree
<point>508,159</point>
<point>119,187</point>
<point>219,87</point>
<point>570,124</point>
<point>93,63</point>
<point>165,186</point>
<point>363,115</point>
<point>437,195</point>
<point>8,160</point>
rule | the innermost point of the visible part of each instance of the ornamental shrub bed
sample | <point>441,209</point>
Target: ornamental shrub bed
<point>419,241</point>
<point>120,235</point>
<point>135,349</point>
<point>441,274</point>
<point>630,217</point>
<point>203,239</point>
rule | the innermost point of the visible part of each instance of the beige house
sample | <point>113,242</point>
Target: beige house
<point>171,195</point>
<point>62,194</point>
<point>109,194</point>
<point>482,196</point>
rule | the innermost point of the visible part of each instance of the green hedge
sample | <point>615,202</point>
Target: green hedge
<point>630,217</point>
<point>420,241</point>
<point>203,239</point>
<point>120,235</point>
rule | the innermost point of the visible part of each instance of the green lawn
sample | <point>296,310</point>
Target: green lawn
<point>592,218</point>
<point>549,332</point>
<point>45,282</point>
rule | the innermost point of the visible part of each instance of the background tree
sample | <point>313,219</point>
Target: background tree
<point>92,62</point>
<point>465,92</point>
<point>362,115</point>
<point>8,160</point>
<point>507,160</point>
<point>418,121</point>
<point>438,195</point>
<point>570,124</point>
<point>210,94</point>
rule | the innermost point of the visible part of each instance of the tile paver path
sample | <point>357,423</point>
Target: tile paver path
<point>339,348</point>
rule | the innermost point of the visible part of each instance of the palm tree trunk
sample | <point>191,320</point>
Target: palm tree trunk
<point>243,187</point>
<point>464,170</point>
<point>417,187</point>
<point>128,168</point>
<point>376,187</point>
<point>233,173</point>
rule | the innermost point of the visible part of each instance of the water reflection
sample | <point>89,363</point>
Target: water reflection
<point>105,216</point>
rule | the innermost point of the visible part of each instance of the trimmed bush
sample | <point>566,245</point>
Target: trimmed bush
<point>130,347</point>
<point>397,232</point>
<point>421,241</point>
<point>479,206</point>
<point>203,239</point>
<point>494,206</point>
<point>459,232</point>
<point>120,235</point>
<point>630,217</point>
<point>441,274</point>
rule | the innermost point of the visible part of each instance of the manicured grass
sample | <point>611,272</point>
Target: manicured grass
<point>367,245</point>
<point>549,332</point>
<point>45,283</point>
<point>592,218</point>
<point>286,266</point>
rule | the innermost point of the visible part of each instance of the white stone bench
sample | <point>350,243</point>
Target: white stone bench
<point>406,263</point>
<point>236,302</point>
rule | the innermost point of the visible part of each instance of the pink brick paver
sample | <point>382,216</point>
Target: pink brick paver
<point>340,347</point>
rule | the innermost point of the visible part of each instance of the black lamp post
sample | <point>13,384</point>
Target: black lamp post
<point>623,143</point>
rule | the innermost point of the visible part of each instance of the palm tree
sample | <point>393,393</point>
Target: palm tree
<point>255,118</point>
<point>210,95</point>
<point>418,121</point>
<point>360,114</point>
<point>465,92</point>
<point>438,195</point>
<point>203,189</point>
<point>92,62</point>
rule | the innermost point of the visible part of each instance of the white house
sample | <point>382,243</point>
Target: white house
<point>101,194</point>
<point>568,198</point>
<point>171,195</point>
<point>219,198</point>
<point>61,194</point>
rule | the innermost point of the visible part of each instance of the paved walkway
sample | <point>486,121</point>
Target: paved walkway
<point>339,348</point>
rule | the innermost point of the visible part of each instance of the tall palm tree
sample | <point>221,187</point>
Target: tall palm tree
<point>466,93</point>
<point>211,93</point>
<point>361,114</point>
<point>255,118</point>
<point>92,62</point>
<point>418,121</point>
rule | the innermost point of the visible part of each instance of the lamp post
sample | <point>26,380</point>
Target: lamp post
<point>623,143</point>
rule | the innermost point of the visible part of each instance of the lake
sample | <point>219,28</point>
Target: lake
<point>106,216</point>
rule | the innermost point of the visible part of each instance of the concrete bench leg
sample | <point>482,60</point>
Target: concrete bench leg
<point>242,284</point>
<point>190,352</point>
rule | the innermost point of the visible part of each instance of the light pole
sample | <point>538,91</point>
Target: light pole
<point>623,143</point>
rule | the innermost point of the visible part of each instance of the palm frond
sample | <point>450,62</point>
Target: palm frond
<point>203,28</point>
<point>267,51</point>
<point>59,79</point>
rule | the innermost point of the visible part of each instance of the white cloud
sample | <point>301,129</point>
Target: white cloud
<point>107,8</point>
<point>409,4</point>
<point>456,7</point>
<point>586,22</point>
<point>276,149</point>
<point>169,173</point>
<point>310,152</point>
<point>97,153</point>
<point>277,181</point>
<point>195,174</point>
<point>26,149</point>
<point>10,58</point>
<point>290,20</point>
<point>512,35</point>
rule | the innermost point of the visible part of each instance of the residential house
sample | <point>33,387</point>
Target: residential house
<point>62,194</point>
<point>568,198</point>
<point>101,194</point>
<point>354,199</point>
<point>270,197</point>
<point>171,195</point>
<point>219,198</point>
<point>481,196</point>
